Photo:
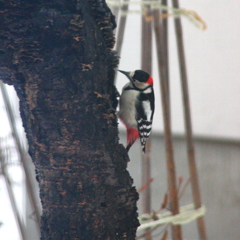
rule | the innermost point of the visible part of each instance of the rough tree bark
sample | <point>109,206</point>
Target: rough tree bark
<point>57,55</point>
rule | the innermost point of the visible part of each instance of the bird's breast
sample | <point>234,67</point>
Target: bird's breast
<point>127,111</point>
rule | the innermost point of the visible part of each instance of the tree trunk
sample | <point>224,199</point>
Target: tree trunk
<point>58,56</point>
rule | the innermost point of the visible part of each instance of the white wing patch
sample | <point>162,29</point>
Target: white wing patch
<point>147,109</point>
<point>148,90</point>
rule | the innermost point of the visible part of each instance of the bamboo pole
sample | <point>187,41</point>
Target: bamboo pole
<point>9,187</point>
<point>165,38</point>
<point>121,28</point>
<point>29,184</point>
<point>172,186</point>
<point>146,66</point>
<point>188,124</point>
<point>115,12</point>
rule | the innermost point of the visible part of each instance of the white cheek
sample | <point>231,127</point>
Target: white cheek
<point>148,90</point>
<point>141,85</point>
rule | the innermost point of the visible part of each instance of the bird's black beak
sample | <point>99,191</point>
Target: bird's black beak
<point>127,74</point>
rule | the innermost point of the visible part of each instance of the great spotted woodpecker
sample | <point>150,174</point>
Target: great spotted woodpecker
<point>137,107</point>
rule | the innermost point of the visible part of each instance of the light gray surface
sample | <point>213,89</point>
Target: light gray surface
<point>218,165</point>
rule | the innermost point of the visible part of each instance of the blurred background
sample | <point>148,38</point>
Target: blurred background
<point>212,59</point>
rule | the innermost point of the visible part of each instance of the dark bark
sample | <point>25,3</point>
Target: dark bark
<point>58,56</point>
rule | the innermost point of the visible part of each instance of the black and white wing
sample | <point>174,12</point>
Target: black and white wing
<point>144,116</point>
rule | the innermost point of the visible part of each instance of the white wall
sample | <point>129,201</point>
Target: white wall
<point>213,66</point>
<point>218,171</point>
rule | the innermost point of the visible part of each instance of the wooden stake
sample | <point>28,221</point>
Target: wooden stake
<point>9,187</point>
<point>146,66</point>
<point>188,125</point>
<point>22,155</point>
<point>121,29</point>
<point>172,186</point>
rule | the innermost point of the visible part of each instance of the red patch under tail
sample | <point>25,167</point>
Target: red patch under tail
<point>132,136</point>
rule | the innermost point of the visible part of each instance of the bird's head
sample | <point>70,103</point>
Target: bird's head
<point>139,78</point>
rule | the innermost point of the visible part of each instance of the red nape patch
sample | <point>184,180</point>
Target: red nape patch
<point>150,81</point>
<point>132,135</point>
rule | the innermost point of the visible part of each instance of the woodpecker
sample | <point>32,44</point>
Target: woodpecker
<point>137,107</point>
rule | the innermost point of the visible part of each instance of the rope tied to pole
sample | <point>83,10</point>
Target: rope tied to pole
<point>191,15</point>
<point>187,214</point>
